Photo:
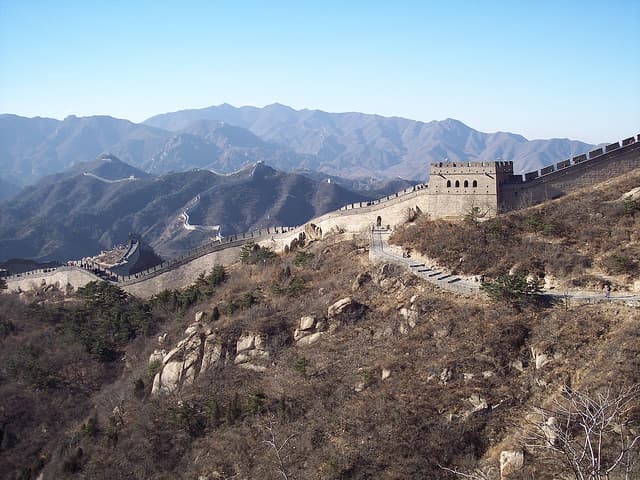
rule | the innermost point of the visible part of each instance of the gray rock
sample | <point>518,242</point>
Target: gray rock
<point>307,323</point>
<point>309,339</point>
<point>346,309</point>
<point>540,358</point>
<point>245,342</point>
<point>157,356</point>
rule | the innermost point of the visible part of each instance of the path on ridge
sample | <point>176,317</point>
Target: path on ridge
<point>106,180</point>
<point>380,250</point>
<point>203,228</point>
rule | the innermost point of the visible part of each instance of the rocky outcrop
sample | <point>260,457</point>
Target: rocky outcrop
<point>346,310</point>
<point>200,351</point>
<point>510,461</point>
<point>157,356</point>
<point>296,243</point>
<point>633,194</point>
<point>251,348</point>
<point>309,330</point>
<point>312,232</point>
<point>390,278</point>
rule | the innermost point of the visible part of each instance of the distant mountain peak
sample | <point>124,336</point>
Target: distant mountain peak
<point>279,106</point>
<point>108,157</point>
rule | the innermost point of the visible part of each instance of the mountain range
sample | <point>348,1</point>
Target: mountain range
<point>97,204</point>
<point>359,145</point>
<point>225,139</point>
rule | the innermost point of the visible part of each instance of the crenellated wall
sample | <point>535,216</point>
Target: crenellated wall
<point>453,190</point>
<point>59,276</point>
<point>571,174</point>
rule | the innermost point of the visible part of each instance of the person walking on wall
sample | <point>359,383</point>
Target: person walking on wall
<point>607,291</point>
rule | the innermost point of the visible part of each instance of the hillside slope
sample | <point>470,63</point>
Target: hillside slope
<point>77,214</point>
<point>401,383</point>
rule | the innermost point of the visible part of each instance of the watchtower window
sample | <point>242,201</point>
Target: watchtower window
<point>475,183</point>
<point>466,184</point>
<point>448,183</point>
<point>457,183</point>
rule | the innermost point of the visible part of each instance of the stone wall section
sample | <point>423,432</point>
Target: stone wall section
<point>182,275</point>
<point>60,277</point>
<point>584,172</point>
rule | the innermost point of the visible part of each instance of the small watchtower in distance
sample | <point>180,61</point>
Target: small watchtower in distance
<point>458,187</point>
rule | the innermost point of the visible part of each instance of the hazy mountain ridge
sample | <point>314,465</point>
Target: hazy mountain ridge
<point>75,215</point>
<point>357,144</point>
<point>34,148</point>
<point>225,138</point>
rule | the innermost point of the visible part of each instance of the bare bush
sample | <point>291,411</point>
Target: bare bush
<point>278,448</point>
<point>590,435</point>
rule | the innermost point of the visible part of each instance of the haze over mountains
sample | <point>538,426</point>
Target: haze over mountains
<point>225,138</point>
<point>357,144</point>
<point>97,205</point>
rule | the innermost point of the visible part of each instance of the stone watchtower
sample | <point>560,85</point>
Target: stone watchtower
<point>458,187</point>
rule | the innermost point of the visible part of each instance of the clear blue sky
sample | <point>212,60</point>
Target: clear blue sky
<point>540,68</point>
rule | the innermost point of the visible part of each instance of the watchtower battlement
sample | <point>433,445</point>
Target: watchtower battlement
<point>470,178</point>
<point>455,187</point>
<point>465,168</point>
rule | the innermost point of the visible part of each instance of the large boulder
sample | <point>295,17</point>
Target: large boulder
<point>309,330</point>
<point>250,346</point>
<point>307,322</point>
<point>309,339</point>
<point>346,309</point>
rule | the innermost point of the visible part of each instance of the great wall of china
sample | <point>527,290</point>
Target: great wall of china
<point>452,191</point>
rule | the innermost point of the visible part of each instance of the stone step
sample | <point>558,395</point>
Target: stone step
<point>454,280</point>
<point>435,274</point>
<point>415,265</point>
